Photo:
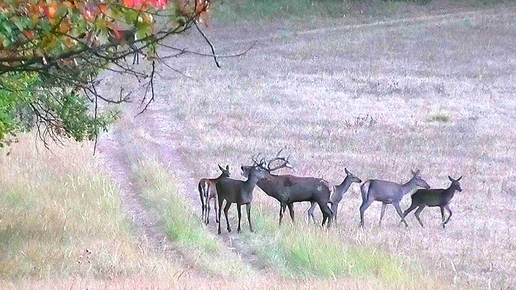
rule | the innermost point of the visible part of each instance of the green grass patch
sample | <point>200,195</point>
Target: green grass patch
<point>439,117</point>
<point>304,250</point>
<point>269,9</point>
<point>159,190</point>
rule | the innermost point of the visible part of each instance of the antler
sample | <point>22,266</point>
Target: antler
<point>256,162</point>
<point>254,157</point>
<point>277,157</point>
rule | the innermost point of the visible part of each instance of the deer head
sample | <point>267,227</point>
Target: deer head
<point>418,180</point>
<point>225,172</point>
<point>455,183</point>
<point>352,177</point>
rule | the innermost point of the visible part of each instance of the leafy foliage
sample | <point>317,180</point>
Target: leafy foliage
<point>51,52</point>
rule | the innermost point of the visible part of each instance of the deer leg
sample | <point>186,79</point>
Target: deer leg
<point>326,213</point>
<point>219,213</point>
<point>411,208</point>
<point>447,208</point>
<point>363,207</point>
<point>281,210</point>
<point>291,211</point>
<point>208,210</point>
<point>215,198</point>
<point>226,208</point>
<point>206,194</point>
<point>201,196</point>
<point>335,209</point>
<point>239,216</point>
<point>384,205</point>
<point>311,211</point>
<point>248,208</point>
<point>418,211</point>
<point>398,209</point>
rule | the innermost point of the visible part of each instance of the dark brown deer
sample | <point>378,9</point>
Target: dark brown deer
<point>288,189</point>
<point>388,193</point>
<point>207,192</point>
<point>434,197</point>
<point>336,197</point>
<point>120,37</point>
<point>239,192</point>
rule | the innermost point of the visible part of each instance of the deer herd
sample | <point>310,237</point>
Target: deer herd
<point>288,189</point>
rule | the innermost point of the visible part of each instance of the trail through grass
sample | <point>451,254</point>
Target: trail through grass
<point>162,197</point>
<point>60,218</point>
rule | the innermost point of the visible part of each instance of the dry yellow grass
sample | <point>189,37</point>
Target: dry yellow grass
<point>60,218</point>
<point>380,99</point>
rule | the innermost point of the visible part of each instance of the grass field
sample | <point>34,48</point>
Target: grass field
<point>378,95</point>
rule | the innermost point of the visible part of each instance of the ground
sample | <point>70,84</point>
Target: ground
<point>432,91</point>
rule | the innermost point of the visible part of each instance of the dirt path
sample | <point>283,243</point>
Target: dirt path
<point>160,137</point>
<point>119,160</point>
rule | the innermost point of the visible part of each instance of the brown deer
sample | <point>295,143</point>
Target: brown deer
<point>119,37</point>
<point>336,197</point>
<point>388,193</point>
<point>434,197</point>
<point>239,192</point>
<point>288,189</point>
<point>207,192</point>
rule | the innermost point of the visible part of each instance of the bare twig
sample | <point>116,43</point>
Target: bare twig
<point>209,43</point>
<point>151,83</point>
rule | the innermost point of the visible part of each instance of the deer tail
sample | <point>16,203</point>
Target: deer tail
<point>332,194</point>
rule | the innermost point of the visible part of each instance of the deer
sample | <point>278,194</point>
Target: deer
<point>119,37</point>
<point>388,193</point>
<point>239,192</point>
<point>336,197</point>
<point>207,192</point>
<point>432,198</point>
<point>288,189</point>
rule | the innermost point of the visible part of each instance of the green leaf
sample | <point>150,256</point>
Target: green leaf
<point>62,10</point>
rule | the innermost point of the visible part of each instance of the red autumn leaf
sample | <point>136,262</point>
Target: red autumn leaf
<point>128,3</point>
<point>160,3</point>
<point>51,10</point>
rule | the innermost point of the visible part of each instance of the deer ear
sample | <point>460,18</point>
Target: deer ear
<point>459,178</point>
<point>451,179</point>
<point>220,167</point>
<point>227,167</point>
<point>346,170</point>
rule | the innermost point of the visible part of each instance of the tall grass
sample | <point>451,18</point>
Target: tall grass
<point>61,218</point>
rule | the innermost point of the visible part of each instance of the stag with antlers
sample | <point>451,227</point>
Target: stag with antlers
<point>288,189</point>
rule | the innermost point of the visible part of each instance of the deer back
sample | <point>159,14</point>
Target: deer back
<point>385,191</point>
<point>229,189</point>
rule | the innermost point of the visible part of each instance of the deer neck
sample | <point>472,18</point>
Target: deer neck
<point>251,182</point>
<point>449,192</point>
<point>409,186</point>
<point>344,186</point>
